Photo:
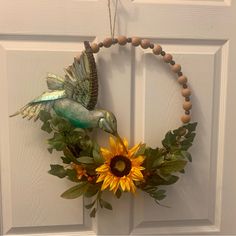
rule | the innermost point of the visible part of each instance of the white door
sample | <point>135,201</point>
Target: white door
<point>43,36</point>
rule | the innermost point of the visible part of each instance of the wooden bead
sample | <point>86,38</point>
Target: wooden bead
<point>94,47</point>
<point>122,40</point>
<point>136,41</point>
<point>157,49</point>
<point>107,42</point>
<point>167,58</point>
<point>187,105</point>
<point>185,118</point>
<point>182,79</point>
<point>176,68</point>
<point>145,43</point>
<point>186,92</point>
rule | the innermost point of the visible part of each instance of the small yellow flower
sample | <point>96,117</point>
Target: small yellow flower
<point>121,168</point>
<point>80,170</point>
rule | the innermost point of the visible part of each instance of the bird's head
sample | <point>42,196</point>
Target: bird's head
<point>108,123</point>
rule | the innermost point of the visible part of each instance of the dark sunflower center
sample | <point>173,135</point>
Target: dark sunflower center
<point>120,166</point>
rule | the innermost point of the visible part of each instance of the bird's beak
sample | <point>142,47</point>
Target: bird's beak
<point>121,141</point>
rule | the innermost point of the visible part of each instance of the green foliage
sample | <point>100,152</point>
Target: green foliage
<point>170,167</point>
<point>161,164</point>
<point>58,171</point>
<point>105,204</point>
<point>75,191</point>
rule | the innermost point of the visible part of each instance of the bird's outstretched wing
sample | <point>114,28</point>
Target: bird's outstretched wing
<point>81,82</point>
<point>43,102</point>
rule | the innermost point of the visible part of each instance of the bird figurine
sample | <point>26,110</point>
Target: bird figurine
<point>74,97</point>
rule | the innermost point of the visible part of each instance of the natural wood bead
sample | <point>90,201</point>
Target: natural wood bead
<point>182,79</point>
<point>176,68</point>
<point>185,118</point>
<point>157,49</point>
<point>122,40</point>
<point>187,105</point>
<point>186,92</point>
<point>151,45</point>
<point>145,43</point>
<point>107,42</point>
<point>136,41</point>
<point>167,58</point>
<point>94,47</point>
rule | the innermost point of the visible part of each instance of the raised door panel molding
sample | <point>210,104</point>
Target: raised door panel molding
<point>31,201</point>
<point>188,2</point>
<point>195,201</point>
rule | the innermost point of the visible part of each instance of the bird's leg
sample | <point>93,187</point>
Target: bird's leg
<point>121,141</point>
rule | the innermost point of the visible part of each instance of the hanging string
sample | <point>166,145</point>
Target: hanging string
<point>112,26</point>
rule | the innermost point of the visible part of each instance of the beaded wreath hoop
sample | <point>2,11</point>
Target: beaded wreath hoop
<point>68,111</point>
<point>157,50</point>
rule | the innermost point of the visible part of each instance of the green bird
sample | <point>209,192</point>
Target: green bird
<point>74,97</point>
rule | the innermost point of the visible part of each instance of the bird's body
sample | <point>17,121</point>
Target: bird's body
<point>77,114</point>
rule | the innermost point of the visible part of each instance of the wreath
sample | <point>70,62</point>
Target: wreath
<point>68,111</point>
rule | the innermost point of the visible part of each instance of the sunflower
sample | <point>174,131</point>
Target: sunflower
<point>121,168</point>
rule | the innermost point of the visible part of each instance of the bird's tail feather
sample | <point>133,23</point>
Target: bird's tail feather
<point>32,110</point>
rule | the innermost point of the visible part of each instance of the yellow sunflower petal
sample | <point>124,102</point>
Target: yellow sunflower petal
<point>134,149</point>
<point>122,183</point>
<point>116,188</point>
<point>107,154</point>
<point>127,184</point>
<point>125,141</point>
<point>114,183</point>
<point>101,178</point>
<point>132,186</point>
<point>113,145</point>
<point>138,160</point>
<point>103,168</point>
<point>106,182</point>
<point>136,174</point>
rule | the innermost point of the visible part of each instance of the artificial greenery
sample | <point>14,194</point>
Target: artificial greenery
<point>82,156</point>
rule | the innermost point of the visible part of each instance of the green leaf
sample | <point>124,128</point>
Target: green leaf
<point>186,155</point>
<point>140,151</point>
<point>156,180</point>
<point>93,213</point>
<point>151,156</point>
<point>86,160</point>
<point>50,150</point>
<point>159,195</point>
<point>66,160</point>
<point>75,191</point>
<point>46,127</point>
<point>98,158</point>
<point>118,193</point>
<point>169,140</point>
<point>92,190</point>
<point>191,127</point>
<point>105,204</point>
<point>44,116</point>
<point>172,166</point>
<point>89,206</point>
<point>159,161</point>
<point>72,175</point>
<point>57,142</point>
<point>58,171</point>
<point>68,154</point>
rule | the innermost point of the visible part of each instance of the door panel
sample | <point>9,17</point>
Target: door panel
<point>37,37</point>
